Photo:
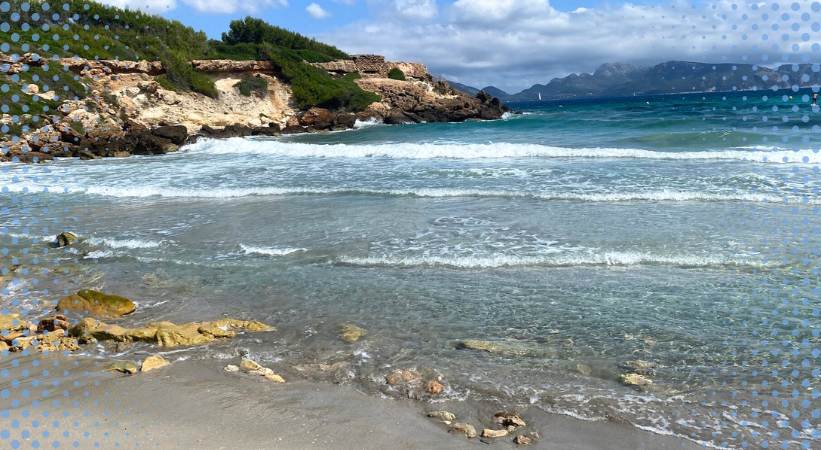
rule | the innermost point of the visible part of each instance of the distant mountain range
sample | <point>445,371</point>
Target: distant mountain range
<point>621,80</point>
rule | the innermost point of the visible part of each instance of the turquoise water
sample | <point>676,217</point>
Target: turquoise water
<point>679,230</point>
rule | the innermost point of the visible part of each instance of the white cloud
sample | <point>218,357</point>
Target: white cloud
<point>516,43</point>
<point>316,11</point>
<point>416,9</point>
<point>232,6</point>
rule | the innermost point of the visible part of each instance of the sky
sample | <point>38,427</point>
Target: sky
<point>513,44</point>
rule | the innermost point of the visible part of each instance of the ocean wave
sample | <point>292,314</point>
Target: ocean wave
<point>131,244</point>
<point>270,251</point>
<point>606,259</point>
<point>490,150</point>
<point>604,197</point>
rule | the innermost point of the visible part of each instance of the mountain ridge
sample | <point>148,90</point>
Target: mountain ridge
<point>670,77</point>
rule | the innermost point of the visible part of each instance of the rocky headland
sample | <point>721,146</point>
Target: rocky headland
<point>128,111</point>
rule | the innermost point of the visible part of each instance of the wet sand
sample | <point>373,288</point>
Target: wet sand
<point>196,404</point>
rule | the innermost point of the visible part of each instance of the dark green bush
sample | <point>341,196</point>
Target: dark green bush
<point>256,31</point>
<point>252,85</point>
<point>312,86</point>
<point>396,74</point>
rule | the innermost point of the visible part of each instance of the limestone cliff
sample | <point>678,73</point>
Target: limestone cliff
<point>127,110</point>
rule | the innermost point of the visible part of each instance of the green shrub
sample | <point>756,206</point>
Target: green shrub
<point>256,31</point>
<point>312,86</point>
<point>396,74</point>
<point>252,85</point>
<point>181,76</point>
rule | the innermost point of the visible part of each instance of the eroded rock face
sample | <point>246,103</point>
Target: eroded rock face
<point>167,334</point>
<point>97,304</point>
<point>375,66</point>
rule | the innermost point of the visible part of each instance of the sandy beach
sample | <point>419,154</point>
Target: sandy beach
<point>196,404</point>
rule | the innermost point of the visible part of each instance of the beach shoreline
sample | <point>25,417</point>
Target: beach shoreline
<point>196,404</point>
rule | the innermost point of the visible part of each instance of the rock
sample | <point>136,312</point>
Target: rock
<point>53,323</point>
<point>434,387</point>
<point>127,367</point>
<point>177,134</point>
<point>639,366</point>
<point>167,334</point>
<point>443,416</point>
<point>12,322</point>
<point>463,428</point>
<point>509,419</point>
<point>526,439</point>
<point>65,239</point>
<point>55,341</point>
<point>506,348</point>
<point>351,333</point>
<point>4,347</point>
<point>584,369</point>
<point>32,89</point>
<point>318,119</point>
<point>255,368</point>
<point>153,362</point>
<point>97,303</point>
<point>635,380</point>
<point>494,434</point>
<point>345,121</point>
<point>403,376</point>
<point>231,66</point>
<point>231,368</point>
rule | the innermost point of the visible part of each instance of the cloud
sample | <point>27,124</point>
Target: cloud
<point>416,9</point>
<point>316,11</point>
<point>517,43</point>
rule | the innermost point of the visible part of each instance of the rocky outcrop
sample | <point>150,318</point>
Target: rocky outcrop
<point>128,112</point>
<point>375,66</point>
<point>96,303</point>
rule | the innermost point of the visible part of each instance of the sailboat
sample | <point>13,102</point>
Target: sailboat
<point>540,96</point>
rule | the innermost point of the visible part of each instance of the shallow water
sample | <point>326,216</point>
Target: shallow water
<point>577,236</point>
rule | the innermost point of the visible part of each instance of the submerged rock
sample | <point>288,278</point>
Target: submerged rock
<point>463,428</point>
<point>505,348</point>
<point>639,366</point>
<point>443,416</point>
<point>635,380</point>
<point>65,239</point>
<point>153,362</point>
<point>351,333</point>
<point>434,387</point>
<point>167,334</point>
<point>403,376</point>
<point>494,434</point>
<point>97,304</point>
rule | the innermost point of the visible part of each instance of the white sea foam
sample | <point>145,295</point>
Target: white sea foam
<point>612,259</point>
<point>131,244</point>
<point>490,150</point>
<point>227,193</point>
<point>270,251</point>
<point>367,123</point>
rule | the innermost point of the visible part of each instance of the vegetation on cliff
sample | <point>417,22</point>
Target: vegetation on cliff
<point>91,30</point>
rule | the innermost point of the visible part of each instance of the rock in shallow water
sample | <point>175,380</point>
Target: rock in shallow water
<point>443,416</point>
<point>254,368</point>
<point>167,334</point>
<point>635,380</point>
<point>127,367</point>
<point>494,434</point>
<point>153,362</point>
<point>403,376</point>
<point>65,239</point>
<point>97,304</point>
<point>463,428</point>
<point>509,419</point>
<point>434,387</point>
<point>351,333</point>
<point>526,439</point>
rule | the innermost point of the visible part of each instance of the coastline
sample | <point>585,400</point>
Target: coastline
<point>169,407</point>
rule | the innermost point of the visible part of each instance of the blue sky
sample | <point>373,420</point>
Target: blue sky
<point>514,44</point>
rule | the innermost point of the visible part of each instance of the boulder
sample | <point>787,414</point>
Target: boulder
<point>177,134</point>
<point>639,366</point>
<point>97,304</point>
<point>318,119</point>
<point>255,368</point>
<point>505,347</point>
<point>434,387</point>
<point>463,428</point>
<point>12,322</point>
<point>58,322</point>
<point>65,239</point>
<point>509,420</point>
<point>351,333</point>
<point>345,121</point>
<point>153,362</point>
<point>526,439</point>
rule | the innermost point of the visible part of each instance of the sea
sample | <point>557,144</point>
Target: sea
<point>578,239</point>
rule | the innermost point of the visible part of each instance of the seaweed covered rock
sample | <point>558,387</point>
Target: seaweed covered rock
<point>97,304</point>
